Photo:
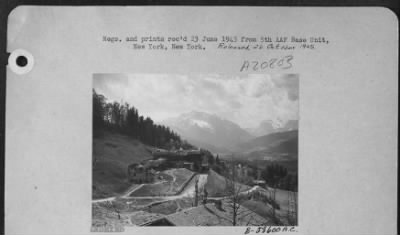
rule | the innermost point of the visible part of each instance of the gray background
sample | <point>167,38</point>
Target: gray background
<point>348,107</point>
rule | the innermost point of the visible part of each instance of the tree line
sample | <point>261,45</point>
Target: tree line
<point>123,118</point>
<point>277,176</point>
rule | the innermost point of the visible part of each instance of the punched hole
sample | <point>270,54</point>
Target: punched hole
<point>21,61</point>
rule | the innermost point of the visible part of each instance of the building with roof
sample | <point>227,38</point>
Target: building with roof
<point>143,218</point>
<point>139,173</point>
<point>195,160</point>
<point>144,172</point>
<point>260,183</point>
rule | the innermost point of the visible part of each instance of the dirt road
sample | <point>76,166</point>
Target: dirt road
<point>188,191</point>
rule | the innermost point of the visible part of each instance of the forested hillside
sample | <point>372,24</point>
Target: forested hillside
<point>121,136</point>
<point>125,119</point>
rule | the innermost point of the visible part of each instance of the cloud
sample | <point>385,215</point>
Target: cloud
<point>290,82</point>
<point>246,100</point>
<point>235,104</point>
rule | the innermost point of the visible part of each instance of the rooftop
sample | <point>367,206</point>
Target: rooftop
<point>143,217</point>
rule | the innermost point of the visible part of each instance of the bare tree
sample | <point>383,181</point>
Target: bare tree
<point>273,202</point>
<point>234,189</point>
<point>196,199</point>
<point>95,158</point>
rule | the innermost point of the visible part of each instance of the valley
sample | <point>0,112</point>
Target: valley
<point>174,190</point>
<point>193,168</point>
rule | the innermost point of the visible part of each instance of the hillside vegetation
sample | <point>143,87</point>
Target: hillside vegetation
<point>112,153</point>
<point>269,141</point>
<point>216,185</point>
<point>170,186</point>
<point>280,146</point>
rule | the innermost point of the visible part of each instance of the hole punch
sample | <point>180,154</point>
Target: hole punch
<point>20,61</point>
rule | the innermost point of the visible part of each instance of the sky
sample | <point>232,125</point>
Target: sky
<point>246,100</point>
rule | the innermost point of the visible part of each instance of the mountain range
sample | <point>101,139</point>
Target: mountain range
<point>208,131</point>
<point>279,145</point>
<point>268,126</point>
<point>223,136</point>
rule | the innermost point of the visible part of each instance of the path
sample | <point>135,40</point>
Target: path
<point>188,191</point>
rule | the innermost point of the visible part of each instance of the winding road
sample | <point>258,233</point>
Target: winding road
<point>188,191</point>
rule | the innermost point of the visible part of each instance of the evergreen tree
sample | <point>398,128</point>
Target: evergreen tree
<point>123,118</point>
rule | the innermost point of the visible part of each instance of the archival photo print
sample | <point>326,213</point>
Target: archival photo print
<point>194,150</point>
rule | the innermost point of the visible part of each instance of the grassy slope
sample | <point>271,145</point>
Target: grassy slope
<point>265,209</point>
<point>282,198</point>
<point>216,185</point>
<point>169,187</point>
<point>114,152</point>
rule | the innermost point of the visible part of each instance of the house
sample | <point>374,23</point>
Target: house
<point>145,172</point>
<point>260,183</point>
<point>143,218</point>
<point>138,173</point>
<point>188,165</point>
<point>154,164</point>
<point>190,159</point>
<point>204,163</point>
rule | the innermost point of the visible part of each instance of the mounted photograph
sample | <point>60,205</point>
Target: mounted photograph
<point>194,150</point>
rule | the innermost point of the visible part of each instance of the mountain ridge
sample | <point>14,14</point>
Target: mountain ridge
<point>274,146</point>
<point>268,127</point>
<point>206,129</point>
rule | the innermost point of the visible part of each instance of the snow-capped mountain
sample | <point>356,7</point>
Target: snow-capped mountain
<point>268,127</point>
<point>202,124</point>
<point>208,131</point>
